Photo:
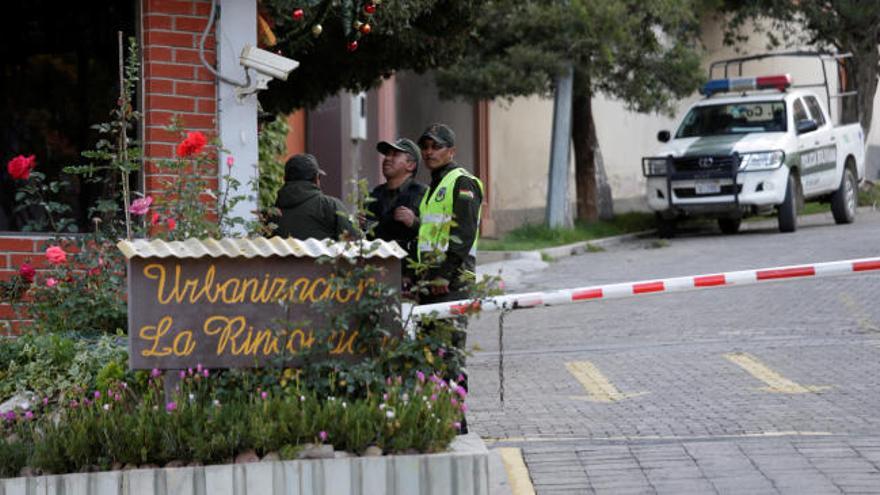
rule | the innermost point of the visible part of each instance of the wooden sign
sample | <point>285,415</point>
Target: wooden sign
<point>232,312</point>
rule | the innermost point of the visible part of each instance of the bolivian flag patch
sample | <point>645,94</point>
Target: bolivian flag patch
<point>465,194</point>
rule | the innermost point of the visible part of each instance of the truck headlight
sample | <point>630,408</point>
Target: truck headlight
<point>765,160</point>
<point>654,166</point>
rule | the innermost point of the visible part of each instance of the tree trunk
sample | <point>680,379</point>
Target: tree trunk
<point>583,134</point>
<point>865,60</point>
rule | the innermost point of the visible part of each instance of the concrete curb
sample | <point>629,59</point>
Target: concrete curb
<point>556,252</point>
<point>462,470</point>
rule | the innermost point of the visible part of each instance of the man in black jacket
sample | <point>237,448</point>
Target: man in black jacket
<point>394,211</point>
<point>306,212</point>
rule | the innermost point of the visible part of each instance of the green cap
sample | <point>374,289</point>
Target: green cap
<point>440,134</point>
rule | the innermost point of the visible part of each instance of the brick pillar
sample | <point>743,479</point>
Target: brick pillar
<point>175,82</point>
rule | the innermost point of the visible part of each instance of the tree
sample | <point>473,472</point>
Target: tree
<point>643,53</point>
<point>842,25</point>
<point>352,44</point>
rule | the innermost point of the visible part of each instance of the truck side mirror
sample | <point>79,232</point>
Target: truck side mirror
<point>806,125</point>
<point>663,136</point>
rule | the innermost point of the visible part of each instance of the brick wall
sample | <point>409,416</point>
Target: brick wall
<point>175,82</point>
<point>15,250</point>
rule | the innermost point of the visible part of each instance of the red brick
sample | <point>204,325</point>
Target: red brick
<point>157,21</point>
<point>16,244</point>
<point>168,38</point>
<point>207,105</point>
<point>203,74</point>
<point>160,135</point>
<point>36,260</point>
<point>187,56</point>
<point>165,86</point>
<point>203,8</point>
<point>184,7</point>
<point>156,150</point>
<point>159,182</point>
<point>158,117</point>
<point>170,71</point>
<point>194,89</point>
<point>193,24</point>
<point>7,313</point>
<point>176,103</point>
<point>196,121</point>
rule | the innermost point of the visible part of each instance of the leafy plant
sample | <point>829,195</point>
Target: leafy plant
<point>272,148</point>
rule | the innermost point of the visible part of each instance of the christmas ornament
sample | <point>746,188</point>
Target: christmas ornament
<point>370,8</point>
<point>352,45</point>
<point>317,29</point>
<point>365,29</point>
<point>298,15</point>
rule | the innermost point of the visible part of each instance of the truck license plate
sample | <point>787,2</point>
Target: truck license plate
<point>707,187</point>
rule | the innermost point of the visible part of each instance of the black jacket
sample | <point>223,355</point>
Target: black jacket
<point>381,217</point>
<point>307,212</point>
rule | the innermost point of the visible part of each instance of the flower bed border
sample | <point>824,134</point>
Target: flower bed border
<point>462,470</point>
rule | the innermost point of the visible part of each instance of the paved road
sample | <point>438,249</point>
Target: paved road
<point>759,389</point>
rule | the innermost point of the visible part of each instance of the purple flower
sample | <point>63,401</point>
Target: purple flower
<point>171,406</point>
<point>182,374</point>
<point>117,397</point>
<point>441,352</point>
<point>420,376</point>
<point>264,395</point>
<point>205,372</point>
<point>10,416</point>
<point>189,371</point>
<point>156,373</point>
<point>97,394</point>
<point>461,392</point>
<point>74,404</point>
<point>464,407</point>
<point>29,415</point>
<point>385,396</point>
<point>456,425</point>
<point>453,401</point>
<point>433,397</point>
<point>199,368</point>
<point>459,378</point>
<point>323,435</point>
<point>45,401</point>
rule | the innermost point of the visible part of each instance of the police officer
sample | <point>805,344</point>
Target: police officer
<point>306,212</point>
<point>450,218</point>
<point>394,211</point>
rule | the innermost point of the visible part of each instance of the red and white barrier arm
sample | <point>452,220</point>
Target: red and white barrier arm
<point>644,287</point>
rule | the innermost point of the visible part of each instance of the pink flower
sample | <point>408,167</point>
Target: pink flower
<point>171,406</point>
<point>51,282</point>
<point>453,401</point>
<point>172,224</point>
<point>264,395</point>
<point>192,145</point>
<point>230,161</point>
<point>10,416</point>
<point>155,373</point>
<point>29,415</point>
<point>323,435</point>
<point>26,272</point>
<point>56,255</point>
<point>420,376</point>
<point>182,374</point>
<point>441,352</point>
<point>199,368</point>
<point>433,397</point>
<point>97,394</point>
<point>456,425</point>
<point>205,372</point>
<point>20,167</point>
<point>464,407</point>
<point>141,206</point>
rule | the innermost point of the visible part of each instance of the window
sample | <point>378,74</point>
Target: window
<point>815,110</point>
<point>799,112</point>
<point>734,118</point>
<point>58,77</point>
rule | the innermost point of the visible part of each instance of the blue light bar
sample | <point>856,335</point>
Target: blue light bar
<point>779,82</point>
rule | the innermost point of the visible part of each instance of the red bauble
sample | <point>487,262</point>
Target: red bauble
<point>370,8</point>
<point>352,45</point>
<point>365,29</point>
<point>298,15</point>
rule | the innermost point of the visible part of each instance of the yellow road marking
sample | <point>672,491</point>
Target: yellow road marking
<point>599,388</point>
<point>517,472</point>
<point>775,382</point>
<point>862,319</point>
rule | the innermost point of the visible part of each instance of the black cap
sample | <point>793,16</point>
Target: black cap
<point>440,134</point>
<point>302,167</point>
<point>402,144</point>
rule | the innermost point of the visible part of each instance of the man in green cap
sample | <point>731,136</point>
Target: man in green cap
<point>306,212</point>
<point>394,211</point>
<point>450,218</point>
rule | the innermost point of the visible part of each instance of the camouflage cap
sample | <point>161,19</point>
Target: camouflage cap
<point>401,144</point>
<point>441,134</point>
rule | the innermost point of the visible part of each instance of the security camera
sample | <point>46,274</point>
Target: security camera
<point>267,66</point>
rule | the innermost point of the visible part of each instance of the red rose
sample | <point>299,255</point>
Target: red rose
<point>172,224</point>
<point>56,255</point>
<point>20,167</point>
<point>27,272</point>
<point>192,145</point>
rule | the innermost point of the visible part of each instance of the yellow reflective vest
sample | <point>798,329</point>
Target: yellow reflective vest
<point>436,211</point>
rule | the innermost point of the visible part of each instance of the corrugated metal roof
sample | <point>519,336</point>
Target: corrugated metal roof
<point>257,247</point>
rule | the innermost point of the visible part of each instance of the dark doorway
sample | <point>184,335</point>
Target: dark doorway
<point>58,77</point>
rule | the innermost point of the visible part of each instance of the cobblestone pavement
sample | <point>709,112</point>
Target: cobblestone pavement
<point>759,389</point>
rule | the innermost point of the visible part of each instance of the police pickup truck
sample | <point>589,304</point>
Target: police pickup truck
<point>768,147</point>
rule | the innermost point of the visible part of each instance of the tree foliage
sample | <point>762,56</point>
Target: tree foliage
<point>642,53</point>
<point>415,35</point>
<point>841,25</point>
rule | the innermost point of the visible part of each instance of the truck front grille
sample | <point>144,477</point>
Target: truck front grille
<point>705,163</point>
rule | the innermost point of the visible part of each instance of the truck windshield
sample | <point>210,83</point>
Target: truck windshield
<point>734,118</point>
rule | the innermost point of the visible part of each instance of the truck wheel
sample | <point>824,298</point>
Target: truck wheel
<point>843,201</point>
<point>665,226</point>
<point>787,211</point>
<point>729,225</point>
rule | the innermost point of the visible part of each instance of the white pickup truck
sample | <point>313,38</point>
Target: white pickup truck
<point>766,148</point>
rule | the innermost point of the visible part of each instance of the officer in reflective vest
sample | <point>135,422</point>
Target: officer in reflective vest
<point>450,218</point>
